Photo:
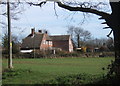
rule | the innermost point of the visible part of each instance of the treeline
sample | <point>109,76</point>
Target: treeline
<point>84,46</point>
<point>83,39</point>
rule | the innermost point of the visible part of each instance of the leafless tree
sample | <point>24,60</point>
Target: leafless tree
<point>10,10</point>
<point>78,35</point>
<point>15,8</point>
<point>86,35</point>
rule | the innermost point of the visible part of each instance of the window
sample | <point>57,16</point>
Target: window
<point>44,41</point>
<point>50,42</point>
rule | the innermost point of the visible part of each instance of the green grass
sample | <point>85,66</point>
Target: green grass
<point>40,70</point>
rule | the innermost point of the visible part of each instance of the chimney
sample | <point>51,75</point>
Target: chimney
<point>40,31</point>
<point>46,32</point>
<point>32,31</point>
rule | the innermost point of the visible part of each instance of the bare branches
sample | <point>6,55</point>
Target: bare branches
<point>88,10</point>
<point>15,9</point>
<point>86,4</point>
<point>38,4</point>
<point>78,35</point>
<point>83,7</point>
<point>55,10</point>
<point>109,34</point>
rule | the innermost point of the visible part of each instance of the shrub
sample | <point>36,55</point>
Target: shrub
<point>85,79</point>
<point>78,79</point>
<point>48,54</point>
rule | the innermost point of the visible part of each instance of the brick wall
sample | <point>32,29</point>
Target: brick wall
<point>45,45</point>
<point>64,45</point>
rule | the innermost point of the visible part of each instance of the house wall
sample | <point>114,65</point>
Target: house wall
<point>70,46</point>
<point>45,45</point>
<point>64,45</point>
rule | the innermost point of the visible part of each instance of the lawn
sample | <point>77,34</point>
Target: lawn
<point>36,71</point>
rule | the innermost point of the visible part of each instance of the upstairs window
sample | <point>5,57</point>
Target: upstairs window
<point>47,42</point>
<point>50,42</point>
<point>44,42</point>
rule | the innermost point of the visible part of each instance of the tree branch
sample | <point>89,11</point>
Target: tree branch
<point>109,34</point>
<point>40,4</point>
<point>88,10</point>
<point>82,9</point>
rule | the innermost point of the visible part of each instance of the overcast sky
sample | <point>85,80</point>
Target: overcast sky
<point>45,18</point>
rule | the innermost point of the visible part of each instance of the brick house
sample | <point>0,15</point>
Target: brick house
<point>36,40</point>
<point>62,41</point>
<point>42,41</point>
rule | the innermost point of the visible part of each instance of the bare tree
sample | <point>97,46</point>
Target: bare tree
<point>87,35</point>
<point>10,13</point>
<point>15,9</point>
<point>78,35</point>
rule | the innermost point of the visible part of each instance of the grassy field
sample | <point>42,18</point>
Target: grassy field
<point>36,71</point>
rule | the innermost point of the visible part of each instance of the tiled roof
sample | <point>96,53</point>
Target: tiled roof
<point>32,41</point>
<point>60,37</point>
<point>48,37</point>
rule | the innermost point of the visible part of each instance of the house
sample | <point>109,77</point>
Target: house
<point>42,41</point>
<point>36,40</point>
<point>62,41</point>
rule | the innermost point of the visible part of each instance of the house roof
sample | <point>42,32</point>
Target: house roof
<point>60,37</point>
<point>32,41</point>
<point>48,37</point>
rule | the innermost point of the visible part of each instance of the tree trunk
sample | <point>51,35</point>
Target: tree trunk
<point>78,41</point>
<point>116,34</point>
<point>114,23</point>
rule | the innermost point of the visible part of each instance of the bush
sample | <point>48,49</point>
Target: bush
<point>48,54</point>
<point>79,79</point>
<point>85,79</point>
<point>67,54</point>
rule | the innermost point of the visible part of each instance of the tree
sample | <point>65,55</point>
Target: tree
<point>110,44</point>
<point>86,35</point>
<point>112,19</point>
<point>7,48</point>
<point>78,35</point>
<point>5,43</point>
<point>95,42</point>
<point>11,12</point>
<point>15,11</point>
<point>15,43</point>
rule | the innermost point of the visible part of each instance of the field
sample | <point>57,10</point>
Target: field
<point>36,71</point>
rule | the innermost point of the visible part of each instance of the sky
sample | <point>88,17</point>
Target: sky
<point>56,24</point>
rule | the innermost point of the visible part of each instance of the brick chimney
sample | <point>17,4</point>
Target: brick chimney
<point>40,31</point>
<point>46,32</point>
<point>32,31</point>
